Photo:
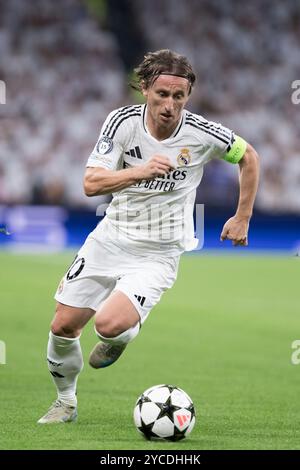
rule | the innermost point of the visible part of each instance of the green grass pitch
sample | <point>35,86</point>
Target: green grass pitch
<point>223,334</point>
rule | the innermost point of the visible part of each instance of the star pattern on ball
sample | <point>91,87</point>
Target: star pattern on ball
<point>144,399</point>
<point>167,409</point>
<point>171,388</point>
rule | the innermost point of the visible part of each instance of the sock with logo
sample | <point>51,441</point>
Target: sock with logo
<point>65,362</point>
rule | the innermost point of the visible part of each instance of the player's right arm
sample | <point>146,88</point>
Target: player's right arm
<point>103,173</point>
<point>99,180</point>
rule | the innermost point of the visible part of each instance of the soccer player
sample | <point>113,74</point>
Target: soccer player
<point>150,158</point>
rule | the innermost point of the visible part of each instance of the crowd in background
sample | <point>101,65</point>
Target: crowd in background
<point>64,71</point>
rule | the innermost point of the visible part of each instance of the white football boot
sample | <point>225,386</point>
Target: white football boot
<point>59,413</point>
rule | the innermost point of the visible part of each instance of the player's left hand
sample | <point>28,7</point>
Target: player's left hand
<point>236,230</point>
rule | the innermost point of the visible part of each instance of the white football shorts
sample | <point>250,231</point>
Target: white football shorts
<point>102,267</point>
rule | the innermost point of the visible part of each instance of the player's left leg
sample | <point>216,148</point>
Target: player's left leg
<point>120,317</point>
<point>116,324</point>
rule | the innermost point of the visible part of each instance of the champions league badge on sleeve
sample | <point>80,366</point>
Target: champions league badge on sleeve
<point>104,145</point>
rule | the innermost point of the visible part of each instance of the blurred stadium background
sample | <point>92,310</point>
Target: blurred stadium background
<point>66,65</point>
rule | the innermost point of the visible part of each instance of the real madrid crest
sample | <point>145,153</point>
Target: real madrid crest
<point>184,157</point>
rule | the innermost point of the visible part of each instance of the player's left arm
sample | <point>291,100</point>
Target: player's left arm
<point>236,228</point>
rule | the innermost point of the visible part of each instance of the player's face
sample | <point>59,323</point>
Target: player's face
<point>166,99</point>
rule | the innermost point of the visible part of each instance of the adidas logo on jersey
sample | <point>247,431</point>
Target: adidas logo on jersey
<point>135,153</point>
<point>140,299</point>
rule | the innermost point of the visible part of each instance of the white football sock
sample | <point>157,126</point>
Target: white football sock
<point>65,361</point>
<point>122,338</point>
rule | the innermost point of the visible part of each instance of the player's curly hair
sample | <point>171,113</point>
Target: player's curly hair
<point>163,62</point>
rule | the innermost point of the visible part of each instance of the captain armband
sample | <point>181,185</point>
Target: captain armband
<point>236,151</point>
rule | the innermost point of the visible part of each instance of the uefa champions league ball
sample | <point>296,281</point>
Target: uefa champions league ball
<point>164,412</point>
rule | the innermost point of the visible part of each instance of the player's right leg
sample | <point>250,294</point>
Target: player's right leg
<point>83,288</point>
<point>65,361</point>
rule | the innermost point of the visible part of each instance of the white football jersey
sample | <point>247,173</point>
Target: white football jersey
<point>157,215</point>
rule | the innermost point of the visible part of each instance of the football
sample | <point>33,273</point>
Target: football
<point>164,412</point>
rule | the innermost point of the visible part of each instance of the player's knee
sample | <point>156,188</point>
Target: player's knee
<point>108,328</point>
<point>65,330</point>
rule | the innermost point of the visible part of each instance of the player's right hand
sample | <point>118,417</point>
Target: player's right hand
<point>158,165</point>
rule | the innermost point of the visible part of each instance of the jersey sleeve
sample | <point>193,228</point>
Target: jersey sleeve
<point>219,141</point>
<point>108,150</point>
<point>227,145</point>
